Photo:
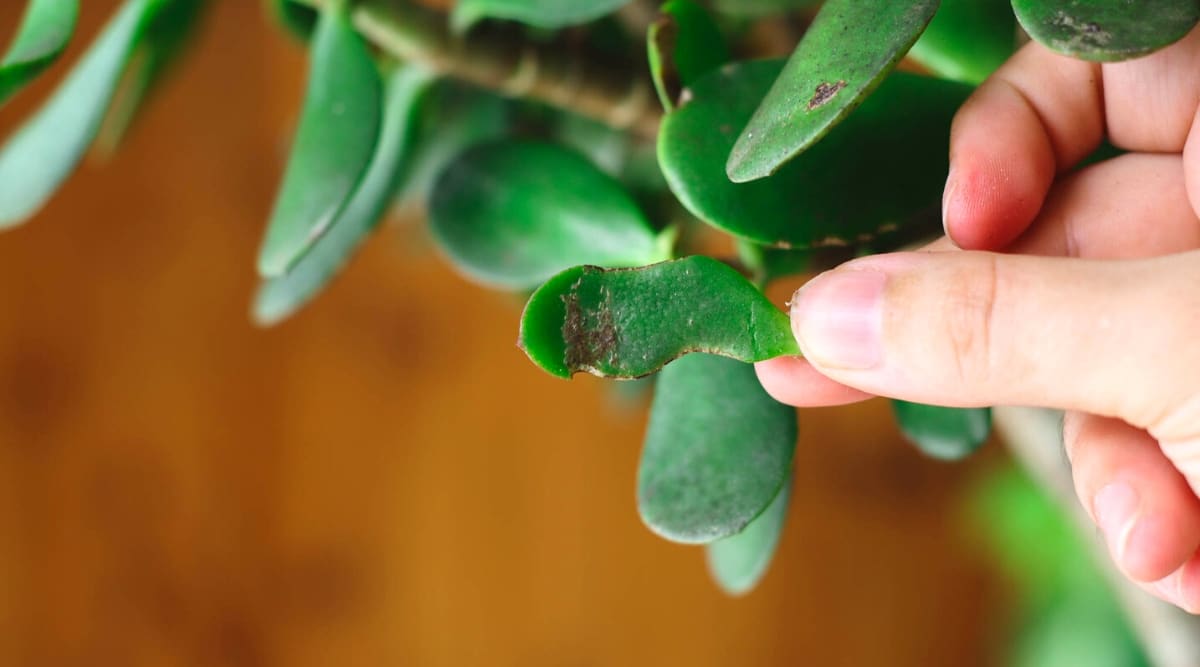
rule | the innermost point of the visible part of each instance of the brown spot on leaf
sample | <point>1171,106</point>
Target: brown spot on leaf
<point>590,333</point>
<point>825,91</point>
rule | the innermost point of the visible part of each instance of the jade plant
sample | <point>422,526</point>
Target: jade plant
<point>642,172</point>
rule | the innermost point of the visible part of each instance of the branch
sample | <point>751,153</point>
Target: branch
<point>547,73</point>
<point>1170,637</point>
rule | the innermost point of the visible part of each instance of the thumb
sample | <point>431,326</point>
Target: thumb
<point>973,329</point>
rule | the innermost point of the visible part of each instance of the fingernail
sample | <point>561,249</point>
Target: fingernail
<point>837,319</point>
<point>1116,507</point>
<point>947,193</point>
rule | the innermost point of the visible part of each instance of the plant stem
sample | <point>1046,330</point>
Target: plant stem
<point>515,68</point>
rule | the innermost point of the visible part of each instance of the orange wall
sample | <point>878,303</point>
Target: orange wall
<point>385,479</point>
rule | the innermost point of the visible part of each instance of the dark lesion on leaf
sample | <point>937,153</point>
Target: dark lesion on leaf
<point>589,333</point>
<point>825,91</point>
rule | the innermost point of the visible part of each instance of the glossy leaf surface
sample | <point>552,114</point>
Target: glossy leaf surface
<point>849,49</point>
<point>514,213</point>
<point>550,14</point>
<point>683,45</point>
<point>943,433</point>
<point>46,149</point>
<point>339,126</point>
<point>718,449</point>
<point>41,38</point>
<point>967,39</point>
<point>873,175</point>
<point>166,37</point>
<point>628,323</point>
<point>280,297</point>
<point>738,562</point>
<point>1106,30</point>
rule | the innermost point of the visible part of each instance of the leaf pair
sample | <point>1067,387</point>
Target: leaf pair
<point>46,149</point>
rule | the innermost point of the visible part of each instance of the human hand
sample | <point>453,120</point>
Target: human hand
<point>1094,308</point>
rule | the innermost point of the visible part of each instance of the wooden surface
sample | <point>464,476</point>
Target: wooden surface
<point>384,480</point>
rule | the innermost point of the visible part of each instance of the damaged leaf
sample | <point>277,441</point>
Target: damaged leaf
<point>339,126</point>
<point>1106,30</point>
<point>46,149</point>
<point>628,323</point>
<point>512,214</point>
<point>683,45</point>
<point>280,297</point>
<point>718,450</point>
<point>849,49</point>
<point>830,195</point>
<point>943,433</point>
<point>738,562</point>
<point>40,40</point>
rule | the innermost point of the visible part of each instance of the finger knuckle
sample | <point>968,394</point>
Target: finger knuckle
<point>970,306</point>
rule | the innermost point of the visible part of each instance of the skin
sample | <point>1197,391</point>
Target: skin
<point>1076,289</point>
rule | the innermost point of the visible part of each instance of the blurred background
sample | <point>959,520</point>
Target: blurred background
<point>385,479</point>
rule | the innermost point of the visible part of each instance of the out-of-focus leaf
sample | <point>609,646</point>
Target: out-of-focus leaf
<point>1106,30</point>
<point>877,173</point>
<point>757,8</point>
<point>967,39</point>
<point>683,45</point>
<point>628,323</point>
<point>40,40</point>
<point>165,39</point>
<point>849,49</point>
<point>298,20</point>
<point>47,148</point>
<point>549,14</point>
<point>279,297</point>
<point>339,126</point>
<point>943,433</point>
<point>453,118</point>
<point>738,562</point>
<point>514,213</point>
<point>718,450</point>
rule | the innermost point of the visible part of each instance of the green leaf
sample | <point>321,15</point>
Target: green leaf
<point>41,39</point>
<point>683,45</point>
<point>967,39</point>
<point>738,562</point>
<point>757,8</point>
<point>298,20</point>
<point>943,433</point>
<point>514,213</point>
<point>549,14</point>
<point>339,127</point>
<point>279,297</point>
<point>47,148</point>
<point>876,174</point>
<point>1106,30</point>
<point>718,449</point>
<point>845,54</point>
<point>166,36</point>
<point>628,323</point>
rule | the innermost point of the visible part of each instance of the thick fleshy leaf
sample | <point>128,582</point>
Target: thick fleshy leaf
<point>339,126</point>
<point>943,433</point>
<point>628,323</point>
<point>47,148</point>
<point>171,30</point>
<point>738,562</point>
<point>1106,30</point>
<point>683,45</point>
<point>845,54</point>
<point>718,449</point>
<point>40,40</point>
<point>514,213</point>
<point>756,8</point>
<point>879,173</point>
<point>550,14</point>
<point>967,39</point>
<point>279,297</point>
<point>299,20</point>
